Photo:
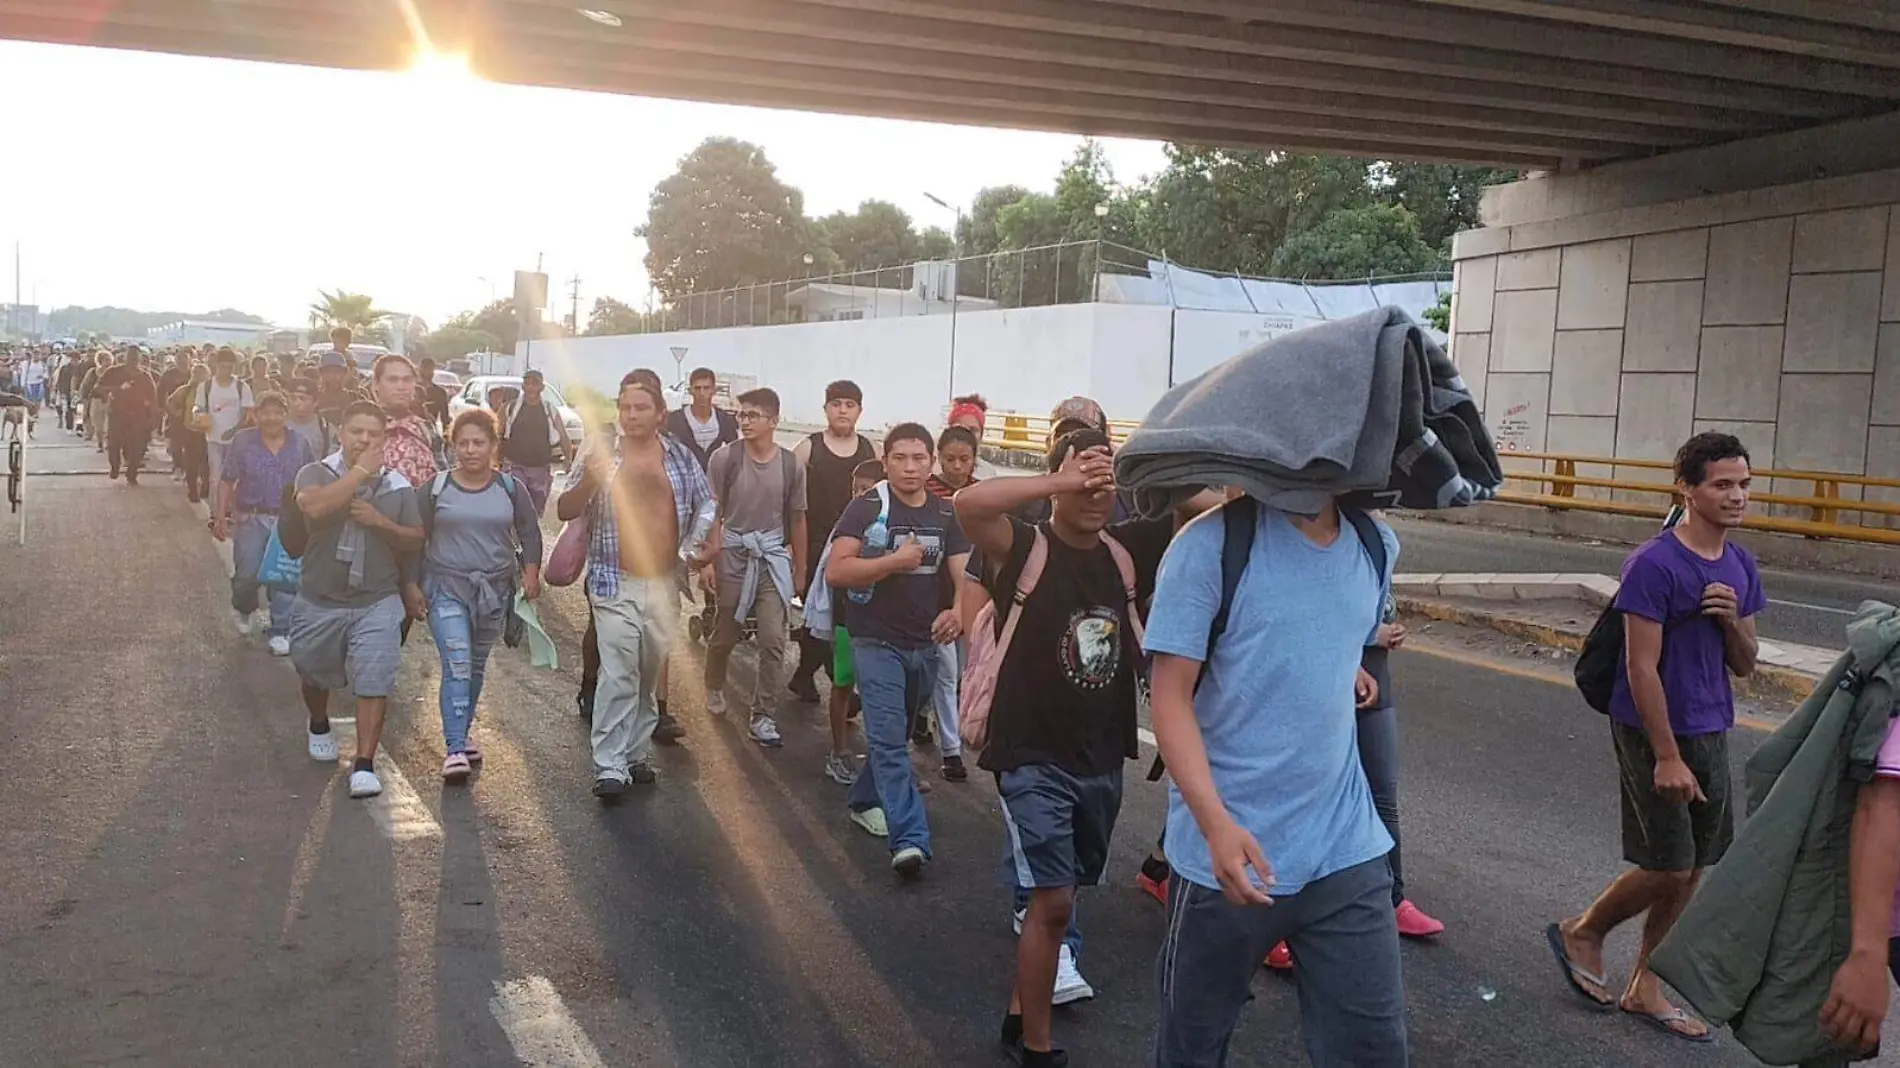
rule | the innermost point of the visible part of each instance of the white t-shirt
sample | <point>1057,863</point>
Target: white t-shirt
<point>35,373</point>
<point>704,434</point>
<point>226,406</point>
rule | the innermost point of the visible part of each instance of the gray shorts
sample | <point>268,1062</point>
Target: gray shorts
<point>354,649</point>
<point>1661,835</point>
<point>1059,824</point>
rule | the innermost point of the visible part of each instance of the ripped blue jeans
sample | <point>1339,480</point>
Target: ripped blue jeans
<point>463,640</point>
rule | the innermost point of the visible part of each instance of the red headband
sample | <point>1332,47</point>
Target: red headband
<point>958,411</point>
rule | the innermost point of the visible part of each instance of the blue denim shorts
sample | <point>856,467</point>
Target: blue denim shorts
<point>1059,824</point>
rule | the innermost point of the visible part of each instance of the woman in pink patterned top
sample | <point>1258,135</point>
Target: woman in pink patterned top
<point>411,445</point>
<point>1857,1001</point>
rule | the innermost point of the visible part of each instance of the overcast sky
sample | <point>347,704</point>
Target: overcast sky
<point>170,183</point>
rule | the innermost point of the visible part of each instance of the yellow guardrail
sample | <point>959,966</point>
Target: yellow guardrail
<point>1017,432</point>
<point>1825,505</point>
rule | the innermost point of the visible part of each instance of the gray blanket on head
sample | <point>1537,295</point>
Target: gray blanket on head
<point>1368,408</point>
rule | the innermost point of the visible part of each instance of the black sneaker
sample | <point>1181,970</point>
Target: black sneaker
<point>803,688</point>
<point>585,699</point>
<point>668,729</point>
<point>642,774</point>
<point>1055,1057</point>
<point>609,789</point>
<point>954,770</point>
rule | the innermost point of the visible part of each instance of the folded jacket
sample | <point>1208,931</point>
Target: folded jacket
<point>1368,408</point>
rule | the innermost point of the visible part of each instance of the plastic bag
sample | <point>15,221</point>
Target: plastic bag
<point>279,568</point>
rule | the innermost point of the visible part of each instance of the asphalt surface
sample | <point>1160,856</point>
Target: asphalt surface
<point>184,886</point>
<point>1809,608</point>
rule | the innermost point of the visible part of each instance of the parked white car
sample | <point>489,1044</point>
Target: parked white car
<point>475,392</point>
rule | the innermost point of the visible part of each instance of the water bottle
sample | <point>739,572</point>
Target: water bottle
<point>876,542</point>
<point>694,545</point>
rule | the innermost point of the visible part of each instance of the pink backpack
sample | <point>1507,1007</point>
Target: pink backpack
<point>988,649</point>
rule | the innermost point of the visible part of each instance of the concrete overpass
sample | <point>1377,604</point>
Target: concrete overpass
<point>1539,84</point>
<point>1710,237</point>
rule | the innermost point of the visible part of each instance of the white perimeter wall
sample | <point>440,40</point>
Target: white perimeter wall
<point>1021,359</point>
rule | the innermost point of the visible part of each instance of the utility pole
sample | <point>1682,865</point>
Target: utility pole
<point>574,313</point>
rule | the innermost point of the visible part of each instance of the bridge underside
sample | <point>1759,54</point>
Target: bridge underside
<point>1535,84</point>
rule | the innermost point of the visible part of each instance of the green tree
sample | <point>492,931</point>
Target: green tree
<point>723,219</point>
<point>877,235</point>
<point>358,311</point>
<point>1377,239</point>
<point>1443,197</point>
<point>935,243</point>
<point>977,231</point>
<point>1438,316</point>
<point>454,341</point>
<point>614,317</point>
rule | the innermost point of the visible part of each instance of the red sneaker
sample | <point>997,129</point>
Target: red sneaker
<point>1280,958</point>
<point>1158,891</point>
<point>1413,923</point>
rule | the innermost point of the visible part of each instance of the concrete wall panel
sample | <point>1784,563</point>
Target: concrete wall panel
<point>1517,411</point>
<point>1823,422</point>
<point>1748,273</point>
<point>1886,407</point>
<point>1669,257</point>
<point>1883,461</point>
<point>1740,373</point>
<point>1472,355</point>
<point>1665,326</point>
<point>1655,416</point>
<point>1585,372</point>
<point>1852,240</point>
<point>1890,297</point>
<point>1473,284</point>
<point>1536,269</point>
<point>1524,325</point>
<point>1594,286</point>
<point>1833,322</point>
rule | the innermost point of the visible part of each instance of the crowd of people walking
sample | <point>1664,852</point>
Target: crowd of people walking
<point>1026,619</point>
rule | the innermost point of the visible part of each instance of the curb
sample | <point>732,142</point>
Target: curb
<point>1417,595</point>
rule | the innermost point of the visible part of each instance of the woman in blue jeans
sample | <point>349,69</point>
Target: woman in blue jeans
<point>481,534</point>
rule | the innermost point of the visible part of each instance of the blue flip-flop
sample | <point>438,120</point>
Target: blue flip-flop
<point>1661,1021</point>
<point>1573,971</point>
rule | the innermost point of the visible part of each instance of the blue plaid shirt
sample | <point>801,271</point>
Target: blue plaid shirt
<point>690,492</point>
<point>260,474</point>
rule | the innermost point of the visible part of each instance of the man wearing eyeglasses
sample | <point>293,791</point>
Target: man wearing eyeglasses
<point>760,556</point>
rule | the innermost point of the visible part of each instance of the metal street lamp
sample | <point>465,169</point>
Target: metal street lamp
<point>956,261</point>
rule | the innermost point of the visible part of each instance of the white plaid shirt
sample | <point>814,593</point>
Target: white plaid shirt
<point>690,492</point>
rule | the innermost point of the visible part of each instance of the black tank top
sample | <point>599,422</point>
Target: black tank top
<point>828,487</point>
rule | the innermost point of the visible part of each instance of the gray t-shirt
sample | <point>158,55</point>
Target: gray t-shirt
<point>474,531</point>
<point>313,432</point>
<point>326,580</point>
<point>758,489</point>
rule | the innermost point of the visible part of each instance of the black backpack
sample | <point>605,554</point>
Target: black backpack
<point>1239,523</point>
<point>1601,659</point>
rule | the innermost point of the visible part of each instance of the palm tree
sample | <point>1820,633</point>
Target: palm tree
<point>342,308</point>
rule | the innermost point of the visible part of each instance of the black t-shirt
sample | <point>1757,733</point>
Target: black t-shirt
<point>1065,694</point>
<point>903,606</point>
<point>332,405</point>
<point>528,443</point>
<point>435,404</point>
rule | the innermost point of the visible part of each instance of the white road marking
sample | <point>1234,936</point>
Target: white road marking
<point>1147,737</point>
<point>536,1022</point>
<point>1812,607</point>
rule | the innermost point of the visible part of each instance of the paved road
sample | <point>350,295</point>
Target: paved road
<point>184,886</point>
<point>1805,607</point>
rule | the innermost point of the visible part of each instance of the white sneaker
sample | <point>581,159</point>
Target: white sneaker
<point>716,703</point>
<point>872,820</point>
<point>1019,916</point>
<point>366,784</point>
<point>765,732</point>
<point>323,747</point>
<point>280,646</point>
<point>1070,986</point>
<point>908,861</point>
<point>242,621</point>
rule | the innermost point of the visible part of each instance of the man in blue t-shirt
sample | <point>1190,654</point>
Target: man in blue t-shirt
<point>902,546</point>
<point>1688,599</point>
<point>1269,804</point>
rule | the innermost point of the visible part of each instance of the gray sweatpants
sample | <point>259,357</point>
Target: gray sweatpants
<point>1345,944</point>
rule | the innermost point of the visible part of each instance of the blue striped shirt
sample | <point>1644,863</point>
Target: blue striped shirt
<point>260,474</point>
<point>690,492</point>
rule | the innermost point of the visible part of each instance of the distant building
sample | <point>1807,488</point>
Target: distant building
<point>207,331</point>
<point>826,302</point>
<point>19,320</point>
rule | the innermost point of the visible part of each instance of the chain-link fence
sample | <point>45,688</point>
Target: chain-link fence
<point>1069,272</point>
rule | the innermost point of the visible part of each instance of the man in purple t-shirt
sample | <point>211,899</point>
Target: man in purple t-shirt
<point>1688,600</point>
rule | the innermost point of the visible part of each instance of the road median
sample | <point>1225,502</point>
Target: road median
<point>1555,611</point>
